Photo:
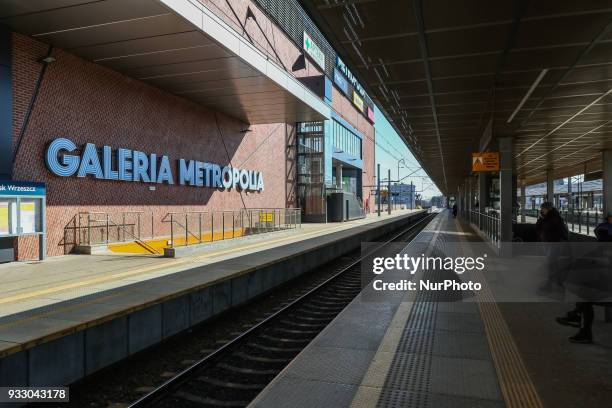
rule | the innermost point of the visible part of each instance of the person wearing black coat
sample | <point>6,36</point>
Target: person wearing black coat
<point>582,316</point>
<point>603,231</point>
<point>550,227</point>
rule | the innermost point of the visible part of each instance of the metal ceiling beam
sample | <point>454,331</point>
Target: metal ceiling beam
<point>549,152</point>
<point>598,39</point>
<point>487,53</point>
<point>602,96</point>
<point>342,4</point>
<point>480,25</point>
<point>418,14</point>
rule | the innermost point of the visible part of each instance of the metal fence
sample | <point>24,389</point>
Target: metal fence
<point>582,221</point>
<point>93,228</point>
<point>488,224</point>
<point>194,227</point>
<point>182,228</point>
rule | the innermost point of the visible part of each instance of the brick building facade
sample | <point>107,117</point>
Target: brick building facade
<point>86,102</point>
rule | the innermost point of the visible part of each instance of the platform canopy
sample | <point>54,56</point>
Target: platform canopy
<point>177,45</point>
<point>451,74</point>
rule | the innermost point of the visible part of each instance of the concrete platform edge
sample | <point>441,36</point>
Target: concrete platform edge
<point>89,347</point>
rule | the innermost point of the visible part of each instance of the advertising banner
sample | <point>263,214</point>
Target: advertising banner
<point>357,101</point>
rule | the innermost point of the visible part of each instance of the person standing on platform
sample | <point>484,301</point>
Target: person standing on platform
<point>551,229</point>
<point>603,231</point>
<point>582,316</point>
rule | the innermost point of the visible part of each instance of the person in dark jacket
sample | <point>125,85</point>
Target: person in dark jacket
<point>454,210</point>
<point>603,231</point>
<point>550,227</point>
<point>582,316</point>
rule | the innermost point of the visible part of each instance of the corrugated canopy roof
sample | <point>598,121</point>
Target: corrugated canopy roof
<point>446,68</point>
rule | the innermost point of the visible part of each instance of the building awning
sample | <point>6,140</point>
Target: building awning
<point>176,45</point>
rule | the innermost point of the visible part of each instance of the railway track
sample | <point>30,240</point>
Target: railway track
<point>234,374</point>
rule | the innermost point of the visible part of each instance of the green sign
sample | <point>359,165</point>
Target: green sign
<point>313,50</point>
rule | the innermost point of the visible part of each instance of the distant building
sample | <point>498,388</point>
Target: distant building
<point>403,194</point>
<point>437,201</point>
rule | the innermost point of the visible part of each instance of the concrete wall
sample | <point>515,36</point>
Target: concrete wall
<point>69,358</point>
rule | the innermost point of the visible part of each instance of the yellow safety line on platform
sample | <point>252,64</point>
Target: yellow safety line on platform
<point>515,382</point>
<point>79,284</point>
<point>255,245</point>
<point>108,278</point>
<point>52,336</point>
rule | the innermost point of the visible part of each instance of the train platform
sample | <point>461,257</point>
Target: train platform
<point>28,285</point>
<point>424,349</point>
<point>97,309</point>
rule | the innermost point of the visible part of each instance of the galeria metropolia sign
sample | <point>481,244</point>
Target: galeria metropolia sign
<point>63,160</point>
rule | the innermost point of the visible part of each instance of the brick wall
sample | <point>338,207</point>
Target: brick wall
<point>89,103</point>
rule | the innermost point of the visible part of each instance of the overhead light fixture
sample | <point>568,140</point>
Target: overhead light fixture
<point>528,94</point>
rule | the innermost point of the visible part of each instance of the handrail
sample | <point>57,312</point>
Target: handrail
<point>207,223</point>
<point>104,222</point>
<point>488,224</point>
<point>580,221</point>
<point>185,228</point>
<point>136,239</point>
<point>230,211</point>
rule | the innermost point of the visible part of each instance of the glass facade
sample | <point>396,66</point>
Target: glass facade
<point>324,149</point>
<point>311,170</point>
<point>346,141</point>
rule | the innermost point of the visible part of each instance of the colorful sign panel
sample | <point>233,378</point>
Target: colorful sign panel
<point>266,217</point>
<point>341,81</point>
<point>313,50</point>
<point>349,75</point>
<point>357,101</point>
<point>487,161</point>
<point>370,114</point>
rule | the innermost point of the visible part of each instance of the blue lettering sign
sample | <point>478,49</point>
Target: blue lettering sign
<point>22,188</point>
<point>134,165</point>
<point>349,75</point>
<point>69,164</point>
<point>340,81</point>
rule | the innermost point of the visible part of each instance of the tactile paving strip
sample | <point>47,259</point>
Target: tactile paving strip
<point>442,359</point>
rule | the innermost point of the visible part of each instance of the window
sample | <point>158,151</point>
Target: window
<point>8,216</point>
<point>346,141</point>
